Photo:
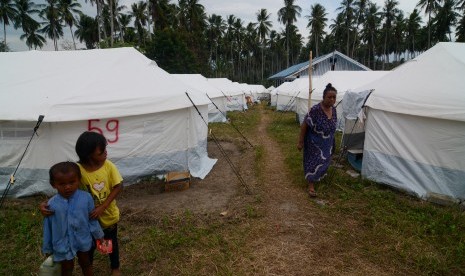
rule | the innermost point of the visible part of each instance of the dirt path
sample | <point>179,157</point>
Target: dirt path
<point>298,238</point>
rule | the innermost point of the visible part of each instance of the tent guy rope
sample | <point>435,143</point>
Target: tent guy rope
<point>12,177</point>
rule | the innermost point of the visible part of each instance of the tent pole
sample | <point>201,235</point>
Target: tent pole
<point>310,71</point>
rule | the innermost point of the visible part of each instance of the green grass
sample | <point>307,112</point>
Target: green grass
<point>381,225</point>
<point>407,233</point>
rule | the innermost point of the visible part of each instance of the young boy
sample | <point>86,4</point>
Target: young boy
<point>68,231</point>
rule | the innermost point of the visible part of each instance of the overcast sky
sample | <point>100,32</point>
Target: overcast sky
<point>244,9</point>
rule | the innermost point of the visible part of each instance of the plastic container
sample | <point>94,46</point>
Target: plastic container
<point>50,268</point>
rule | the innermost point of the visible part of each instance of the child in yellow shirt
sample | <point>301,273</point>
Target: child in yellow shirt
<point>102,180</point>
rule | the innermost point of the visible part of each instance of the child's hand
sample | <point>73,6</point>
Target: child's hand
<point>43,208</point>
<point>97,212</point>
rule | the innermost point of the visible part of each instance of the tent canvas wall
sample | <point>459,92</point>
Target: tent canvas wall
<point>235,98</point>
<point>217,107</point>
<point>150,124</point>
<point>415,128</point>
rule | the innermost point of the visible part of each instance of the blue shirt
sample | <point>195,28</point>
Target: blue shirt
<point>70,229</point>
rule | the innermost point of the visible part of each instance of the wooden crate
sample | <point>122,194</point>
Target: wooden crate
<point>177,181</point>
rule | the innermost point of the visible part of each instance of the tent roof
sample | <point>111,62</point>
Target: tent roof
<point>431,85</point>
<point>226,86</point>
<point>78,85</point>
<point>200,83</point>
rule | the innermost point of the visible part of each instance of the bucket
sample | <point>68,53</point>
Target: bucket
<point>50,268</point>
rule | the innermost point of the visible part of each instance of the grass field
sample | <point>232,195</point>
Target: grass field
<point>383,225</point>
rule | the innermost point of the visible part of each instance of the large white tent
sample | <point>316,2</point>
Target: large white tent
<point>150,124</point>
<point>217,107</point>
<point>415,127</point>
<point>234,95</point>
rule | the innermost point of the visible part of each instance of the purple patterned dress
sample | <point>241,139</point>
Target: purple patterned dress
<point>318,142</point>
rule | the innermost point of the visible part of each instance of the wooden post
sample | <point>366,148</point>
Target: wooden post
<point>310,70</point>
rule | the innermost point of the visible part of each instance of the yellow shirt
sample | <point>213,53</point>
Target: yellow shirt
<point>99,184</point>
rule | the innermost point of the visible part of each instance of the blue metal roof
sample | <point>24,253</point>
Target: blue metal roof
<point>289,70</point>
<point>304,65</point>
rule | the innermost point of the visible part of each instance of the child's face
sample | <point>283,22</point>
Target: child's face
<point>66,183</point>
<point>99,155</point>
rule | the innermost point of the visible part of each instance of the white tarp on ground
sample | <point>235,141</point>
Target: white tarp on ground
<point>217,107</point>
<point>142,110</point>
<point>235,99</point>
<point>415,128</point>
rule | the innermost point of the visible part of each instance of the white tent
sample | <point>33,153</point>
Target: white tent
<point>234,94</point>
<point>217,107</point>
<point>415,128</point>
<point>150,124</point>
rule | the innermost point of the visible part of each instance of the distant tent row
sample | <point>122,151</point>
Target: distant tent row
<point>150,124</point>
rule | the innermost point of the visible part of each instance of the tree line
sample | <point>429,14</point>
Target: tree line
<point>182,38</point>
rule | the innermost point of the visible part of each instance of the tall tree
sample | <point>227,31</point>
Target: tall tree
<point>52,28</point>
<point>360,7</point>
<point>67,10</point>
<point>317,24</point>
<point>25,10</point>
<point>445,19</point>
<point>347,10</point>
<point>430,6</point>
<point>287,15</point>
<point>7,14</point>
<point>33,39</point>
<point>140,18</point>
<point>192,15</point>
<point>413,29</point>
<point>460,31</point>
<point>389,13</point>
<point>87,31</point>
<point>263,29</point>
<point>371,28</point>
<point>215,29</point>
<point>123,21</point>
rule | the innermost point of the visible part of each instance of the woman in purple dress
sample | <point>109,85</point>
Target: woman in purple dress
<point>317,138</point>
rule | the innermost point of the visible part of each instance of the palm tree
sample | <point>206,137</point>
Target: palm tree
<point>215,30</point>
<point>460,31</point>
<point>337,30</point>
<point>23,19</point>
<point>413,28</point>
<point>445,19</point>
<point>399,34</point>
<point>87,31</point>
<point>359,12</point>
<point>53,28</point>
<point>389,13</point>
<point>192,14</point>
<point>371,27</point>
<point>317,23</point>
<point>230,38</point>
<point>347,9</point>
<point>99,16</point>
<point>430,6</point>
<point>33,39</point>
<point>7,13</point>
<point>287,15</point>
<point>140,18</point>
<point>67,10</point>
<point>124,20</point>
<point>263,29</point>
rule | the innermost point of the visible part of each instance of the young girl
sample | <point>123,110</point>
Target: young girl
<point>102,180</point>
<point>69,231</point>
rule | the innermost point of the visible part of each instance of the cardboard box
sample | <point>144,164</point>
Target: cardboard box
<point>177,181</point>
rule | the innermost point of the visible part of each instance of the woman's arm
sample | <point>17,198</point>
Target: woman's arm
<point>303,130</point>
<point>95,214</point>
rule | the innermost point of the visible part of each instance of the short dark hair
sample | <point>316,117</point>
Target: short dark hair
<point>329,87</point>
<point>63,167</point>
<point>87,143</point>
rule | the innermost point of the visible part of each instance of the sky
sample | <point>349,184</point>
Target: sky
<point>244,9</point>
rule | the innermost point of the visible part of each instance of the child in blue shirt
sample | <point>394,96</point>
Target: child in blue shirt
<point>68,231</point>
